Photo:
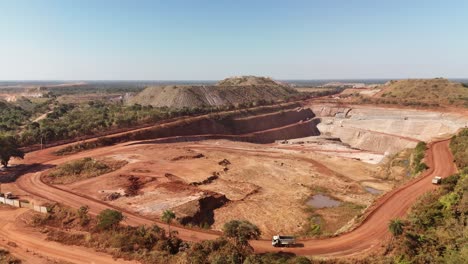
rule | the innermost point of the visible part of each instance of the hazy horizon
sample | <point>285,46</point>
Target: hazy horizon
<point>211,40</point>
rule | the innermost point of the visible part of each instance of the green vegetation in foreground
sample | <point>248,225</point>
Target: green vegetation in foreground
<point>151,244</point>
<point>436,230</point>
<point>459,147</point>
<point>81,169</point>
<point>167,218</point>
<point>418,154</point>
<point>108,219</point>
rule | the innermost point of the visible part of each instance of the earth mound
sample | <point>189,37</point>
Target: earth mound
<point>231,91</point>
<point>434,91</point>
<point>249,81</point>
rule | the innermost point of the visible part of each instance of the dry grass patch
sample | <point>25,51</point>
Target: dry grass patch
<point>82,169</point>
<point>334,218</point>
<point>327,221</point>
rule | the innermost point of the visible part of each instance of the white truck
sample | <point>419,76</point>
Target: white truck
<point>437,180</point>
<point>283,241</point>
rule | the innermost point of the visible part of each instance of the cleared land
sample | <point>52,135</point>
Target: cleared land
<point>278,178</point>
<point>369,235</point>
<point>213,181</point>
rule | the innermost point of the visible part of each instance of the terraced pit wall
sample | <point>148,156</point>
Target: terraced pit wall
<point>125,133</point>
<point>385,130</point>
<point>251,127</point>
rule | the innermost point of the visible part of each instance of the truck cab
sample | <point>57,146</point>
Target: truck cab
<point>437,180</point>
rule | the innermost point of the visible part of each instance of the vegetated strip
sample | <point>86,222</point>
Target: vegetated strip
<point>433,232</point>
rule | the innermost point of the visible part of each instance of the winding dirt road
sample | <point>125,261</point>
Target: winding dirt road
<point>368,236</point>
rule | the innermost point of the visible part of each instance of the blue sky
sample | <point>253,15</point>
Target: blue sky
<point>206,40</point>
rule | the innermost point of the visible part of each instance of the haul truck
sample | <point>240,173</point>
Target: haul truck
<point>283,241</point>
<point>437,180</point>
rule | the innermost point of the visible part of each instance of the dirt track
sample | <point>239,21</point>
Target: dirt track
<point>364,238</point>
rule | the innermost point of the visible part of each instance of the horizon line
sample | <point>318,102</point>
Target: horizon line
<point>210,80</point>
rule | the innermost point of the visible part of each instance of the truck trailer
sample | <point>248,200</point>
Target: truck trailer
<point>283,241</point>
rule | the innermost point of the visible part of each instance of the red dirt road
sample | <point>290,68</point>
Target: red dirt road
<point>369,235</point>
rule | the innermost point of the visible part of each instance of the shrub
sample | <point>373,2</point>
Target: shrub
<point>83,215</point>
<point>109,219</point>
<point>241,231</point>
<point>396,227</point>
<point>418,155</point>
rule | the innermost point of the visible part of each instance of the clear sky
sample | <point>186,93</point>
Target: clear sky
<point>206,40</point>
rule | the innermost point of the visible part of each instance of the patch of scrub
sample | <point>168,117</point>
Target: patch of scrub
<point>322,201</point>
<point>372,190</point>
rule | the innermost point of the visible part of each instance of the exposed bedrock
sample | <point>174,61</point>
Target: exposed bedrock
<point>385,129</point>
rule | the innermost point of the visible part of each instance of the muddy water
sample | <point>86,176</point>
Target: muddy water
<point>322,201</point>
<point>372,190</point>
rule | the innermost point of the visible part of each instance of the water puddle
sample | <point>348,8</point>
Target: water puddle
<point>372,190</point>
<point>322,201</point>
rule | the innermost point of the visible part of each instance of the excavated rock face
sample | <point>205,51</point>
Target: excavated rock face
<point>385,130</point>
<point>227,92</point>
<point>201,211</point>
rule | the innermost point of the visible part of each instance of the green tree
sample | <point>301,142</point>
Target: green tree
<point>396,227</point>
<point>108,219</point>
<point>241,231</point>
<point>9,148</point>
<point>167,218</point>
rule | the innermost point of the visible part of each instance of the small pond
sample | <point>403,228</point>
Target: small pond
<point>322,201</point>
<point>372,190</point>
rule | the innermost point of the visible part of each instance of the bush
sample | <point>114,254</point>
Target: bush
<point>241,231</point>
<point>109,219</point>
<point>418,156</point>
<point>459,147</point>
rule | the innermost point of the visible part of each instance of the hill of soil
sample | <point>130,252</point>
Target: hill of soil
<point>433,91</point>
<point>231,91</point>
